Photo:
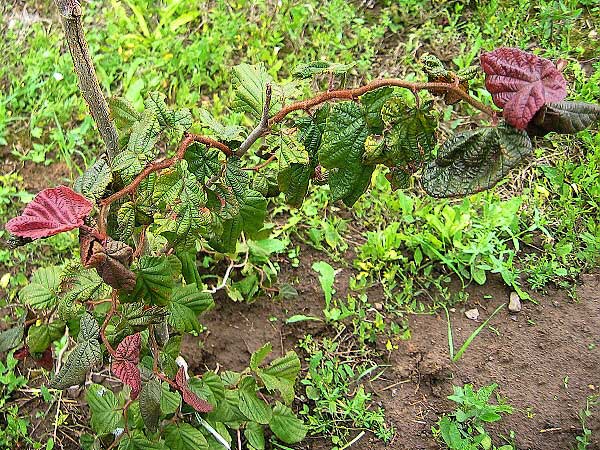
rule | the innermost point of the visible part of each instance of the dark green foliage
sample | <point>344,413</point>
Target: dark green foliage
<point>472,161</point>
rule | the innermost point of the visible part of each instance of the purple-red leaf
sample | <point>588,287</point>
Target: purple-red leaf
<point>188,396</point>
<point>521,83</point>
<point>52,211</point>
<point>125,365</point>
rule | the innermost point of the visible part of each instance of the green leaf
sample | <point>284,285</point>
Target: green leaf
<point>564,117</point>
<point>409,137</point>
<point>472,161</point>
<point>150,398</point>
<point>169,401</point>
<point>286,426</point>
<point>349,183</point>
<point>294,169</point>
<point>128,164</point>
<point>227,411</point>
<point>126,221</point>
<point>11,338</point>
<point>93,182</point>
<point>176,120</point>
<point>136,440</point>
<point>86,355</point>
<point>189,269</point>
<point>42,291</point>
<point>203,162</point>
<point>259,355</point>
<point>227,133</point>
<point>144,136</point>
<point>313,68</point>
<point>253,210</point>
<point>40,337</point>
<point>326,279</point>
<point>344,136</point>
<point>310,131</point>
<point>183,436</point>
<point>186,303</point>
<point>214,383</point>
<point>281,375</point>
<point>250,405</point>
<point>123,114</point>
<point>255,435</point>
<point>373,102</point>
<point>154,280</point>
<point>250,83</point>
<point>86,285</point>
<point>104,406</point>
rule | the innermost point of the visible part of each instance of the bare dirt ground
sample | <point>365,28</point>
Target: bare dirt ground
<point>545,359</point>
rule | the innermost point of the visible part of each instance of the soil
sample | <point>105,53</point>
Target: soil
<point>545,358</point>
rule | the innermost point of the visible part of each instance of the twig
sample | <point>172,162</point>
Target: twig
<point>187,140</point>
<point>261,128</point>
<point>111,312</point>
<point>70,12</point>
<point>261,165</point>
<point>303,105</point>
<point>351,94</point>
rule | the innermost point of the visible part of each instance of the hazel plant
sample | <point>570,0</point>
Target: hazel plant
<point>143,216</point>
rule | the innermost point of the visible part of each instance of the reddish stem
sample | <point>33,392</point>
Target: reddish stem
<point>303,105</point>
<point>351,94</point>
<point>187,140</point>
<point>111,313</point>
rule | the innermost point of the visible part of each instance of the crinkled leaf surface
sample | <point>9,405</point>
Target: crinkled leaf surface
<point>202,161</point>
<point>564,118</point>
<point>136,440</point>
<point>281,375</point>
<point>154,280</point>
<point>250,405</point>
<point>473,161</point>
<point>125,365</point>
<point>344,136</point>
<point>373,103</point>
<point>86,355</point>
<point>186,303</point>
<point>286,426</point>
<point>124,114</point>
<point>11,338</point>
<point>52,211</point>
<point>521,83</point>
<point>150,404</point>
<point>43,289</point>
<point>176,120</point>
<point>183,436</point>
<point>106,412</point>
<point>349,183</point>
<point>93,182</point>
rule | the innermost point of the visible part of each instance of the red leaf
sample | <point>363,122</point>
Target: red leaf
<point>52,211</point>
<point>125,365</point>
<point>22,353</point>
<point>188,396</point>
<point>521,83</point>
<point>46,361</point>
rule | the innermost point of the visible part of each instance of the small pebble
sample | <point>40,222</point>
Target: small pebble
<point>514,304</point>
<point>378,306</point>
<point>472,314</point>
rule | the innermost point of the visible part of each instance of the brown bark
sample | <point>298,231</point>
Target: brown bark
<point>70,12</point>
